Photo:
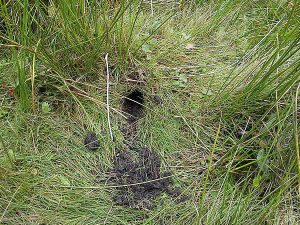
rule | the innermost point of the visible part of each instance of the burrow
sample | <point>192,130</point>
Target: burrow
<point>133,105</point>
<point>140,178</point>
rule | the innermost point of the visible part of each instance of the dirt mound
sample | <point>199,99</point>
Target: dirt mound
<point>91,141</point>
<point>157,100</point>
<point>140,180</point>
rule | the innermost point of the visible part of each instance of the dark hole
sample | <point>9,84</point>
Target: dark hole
<point>42,89</point>
<point>133,105</point>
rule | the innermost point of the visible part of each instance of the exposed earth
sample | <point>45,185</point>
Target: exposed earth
<point>91,141</point>
<point>139,179</point>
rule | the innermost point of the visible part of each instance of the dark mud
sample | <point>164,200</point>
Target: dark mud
<point>157,100</point>
<point>140,180</point>
<point>91,141</point>
<point>132,105</point>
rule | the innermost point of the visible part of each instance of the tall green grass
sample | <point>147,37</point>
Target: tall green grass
<point>259,100</point>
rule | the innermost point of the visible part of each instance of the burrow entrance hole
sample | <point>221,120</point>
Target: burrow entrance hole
<point>133,105</point>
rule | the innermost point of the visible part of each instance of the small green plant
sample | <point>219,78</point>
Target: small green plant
<point>46,107</point>
<point>181,81</point>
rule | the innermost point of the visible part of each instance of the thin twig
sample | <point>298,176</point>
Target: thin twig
<point>15,44</point>
<point>152,12</point>
<point>116,186</point>
<point>84,94</point>
<point>135,81</point>
<point>296,135</point>
<point>107,97</point>
<point>33,98</point>
<point>244,130</point>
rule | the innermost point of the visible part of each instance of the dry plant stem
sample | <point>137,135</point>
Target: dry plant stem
<point>33,78</point>
<point>12,198</point>
<point>15,45</point>
<point>152,12</point>
<point>85,95</point>
<point>297,136</point>
<point>107,97</point>
<point>114,186</point>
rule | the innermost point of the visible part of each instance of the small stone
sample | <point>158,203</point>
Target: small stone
<point>190,46</point>
<point>91,141</point>
<point>157,100</point>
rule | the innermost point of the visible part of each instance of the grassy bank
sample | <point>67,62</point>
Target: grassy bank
<point>227,74</point>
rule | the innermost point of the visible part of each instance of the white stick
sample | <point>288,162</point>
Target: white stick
<point>152,11</point>
<point>107,97</point>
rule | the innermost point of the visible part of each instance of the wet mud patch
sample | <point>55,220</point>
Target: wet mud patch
<point>132,105</point>
<point>140,179</point>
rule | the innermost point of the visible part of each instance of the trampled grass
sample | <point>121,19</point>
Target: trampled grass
<point>227,73</point>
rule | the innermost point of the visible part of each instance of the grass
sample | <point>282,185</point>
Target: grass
<point>228,75</point>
